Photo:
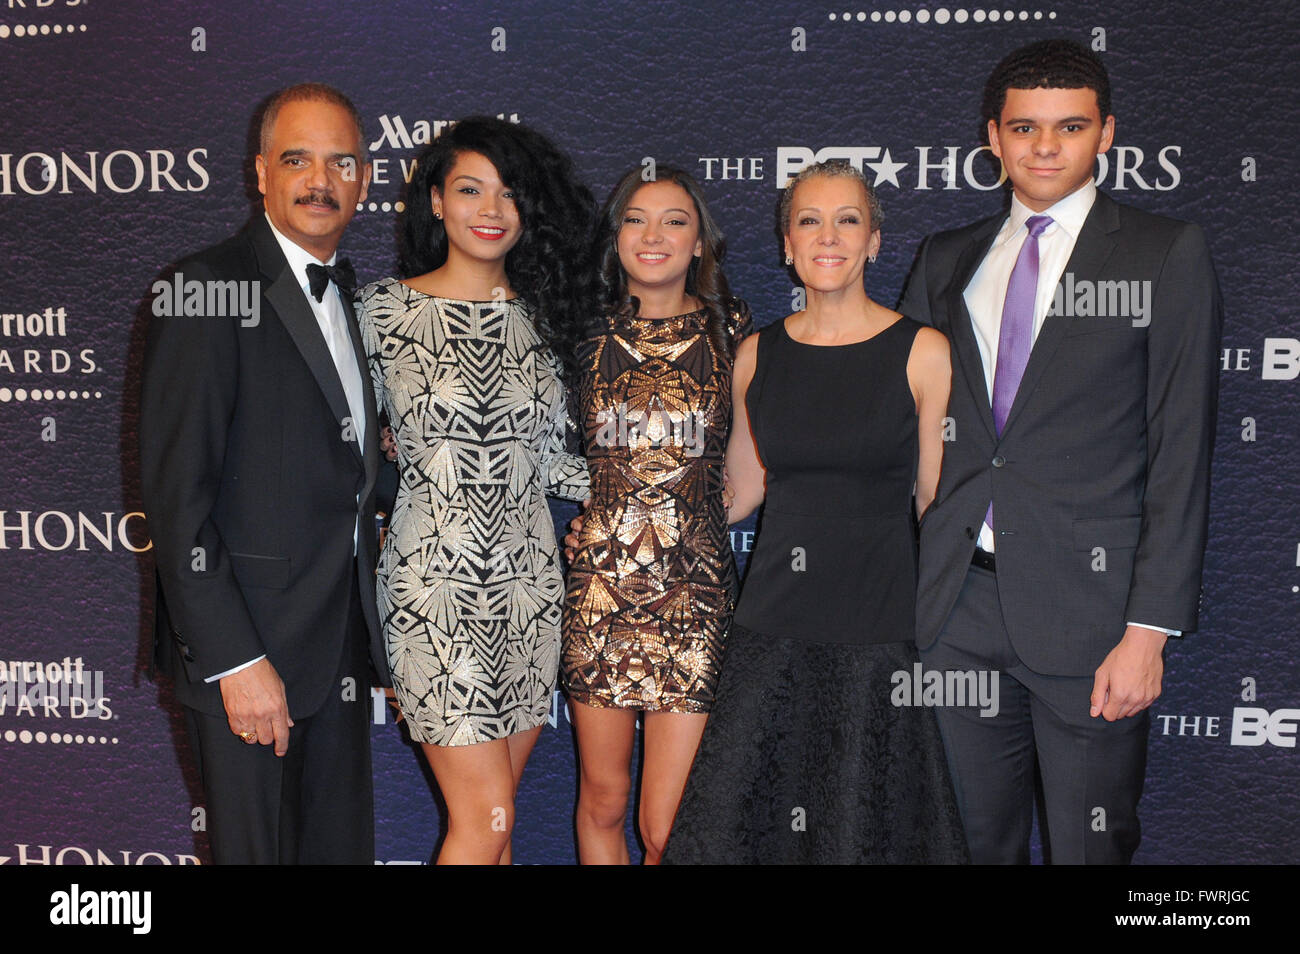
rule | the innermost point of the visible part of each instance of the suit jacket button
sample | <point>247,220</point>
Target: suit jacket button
<point>970,533</point>
<point>999,461</point>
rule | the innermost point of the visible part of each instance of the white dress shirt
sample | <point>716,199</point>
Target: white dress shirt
<point>332,320</point>
<point>987,290</point>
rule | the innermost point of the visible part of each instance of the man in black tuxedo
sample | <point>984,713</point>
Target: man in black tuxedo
<point>1065,542</point>
<point>259,452</point>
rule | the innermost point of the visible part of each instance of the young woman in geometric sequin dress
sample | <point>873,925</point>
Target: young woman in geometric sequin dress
<point>652,584</point>
<point>467,354</point>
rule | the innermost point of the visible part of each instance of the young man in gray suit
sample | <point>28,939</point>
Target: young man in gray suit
<point>1065,543</point>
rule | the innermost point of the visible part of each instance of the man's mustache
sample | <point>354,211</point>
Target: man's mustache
<point>317,198</point>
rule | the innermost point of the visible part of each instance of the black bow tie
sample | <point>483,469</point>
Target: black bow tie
<point>319,277</point>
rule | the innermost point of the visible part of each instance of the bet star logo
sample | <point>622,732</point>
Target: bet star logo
<point>886,170</point>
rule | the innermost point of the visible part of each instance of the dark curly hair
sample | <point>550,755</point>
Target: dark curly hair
<point>1051,64</point>
<point>546,266</point>
<point>705,278</point>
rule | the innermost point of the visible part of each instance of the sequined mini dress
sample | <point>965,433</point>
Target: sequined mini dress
<point>653,583</point>
<point>469,581</point>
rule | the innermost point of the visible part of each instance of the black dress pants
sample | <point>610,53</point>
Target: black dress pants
<point>1092,770</point>
<point>314,805</point>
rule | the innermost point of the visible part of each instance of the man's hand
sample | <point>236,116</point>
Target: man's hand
<point>387,443</point>
<point>1128,679</point>
<point>575,527</point>
<point>255,702</point>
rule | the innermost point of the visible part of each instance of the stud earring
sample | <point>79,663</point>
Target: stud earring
<point>871,258</point>
<point>789,260</point>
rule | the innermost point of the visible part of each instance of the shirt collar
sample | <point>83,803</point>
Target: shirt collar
<point>1068,214</point>
<point>298,257</point>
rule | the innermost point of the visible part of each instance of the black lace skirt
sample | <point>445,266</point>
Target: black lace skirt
<point>805,760</point>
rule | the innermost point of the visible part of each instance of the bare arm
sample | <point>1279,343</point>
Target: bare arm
<point>929,372</point>
<point>745,471</point>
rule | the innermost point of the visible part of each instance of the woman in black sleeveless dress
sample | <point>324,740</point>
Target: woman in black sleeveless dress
<point>838,422</point>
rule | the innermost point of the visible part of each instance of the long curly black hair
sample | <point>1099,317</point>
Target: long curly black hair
<point>547,265</point>
<point>705,278</point>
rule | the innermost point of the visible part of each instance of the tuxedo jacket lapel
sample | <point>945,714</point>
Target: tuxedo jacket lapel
<point>1091,250</point>
<point>290,303</point>
<point>369,439</point>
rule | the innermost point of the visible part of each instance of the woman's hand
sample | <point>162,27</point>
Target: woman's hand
<point>575,528</point>
<point>387,443</point>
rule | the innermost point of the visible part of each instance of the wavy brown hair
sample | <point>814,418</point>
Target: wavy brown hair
<point>705,278</point>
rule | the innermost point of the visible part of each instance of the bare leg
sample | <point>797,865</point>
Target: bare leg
<point>671,739</point>
<point>605,738</point>
<point>521,746</point>
<point>478,783</point>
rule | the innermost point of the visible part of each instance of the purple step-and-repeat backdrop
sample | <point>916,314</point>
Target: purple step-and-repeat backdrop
<point>125,142</point>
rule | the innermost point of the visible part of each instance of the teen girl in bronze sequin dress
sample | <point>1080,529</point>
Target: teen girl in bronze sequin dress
<point>652,585</point>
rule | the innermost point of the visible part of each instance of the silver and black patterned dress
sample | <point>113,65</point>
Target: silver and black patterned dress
<point>470,584</point>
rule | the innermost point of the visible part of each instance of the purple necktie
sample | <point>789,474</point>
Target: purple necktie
<point>1016,336</point>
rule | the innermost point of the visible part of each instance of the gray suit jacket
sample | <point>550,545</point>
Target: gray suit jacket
<point>1100,480</point>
